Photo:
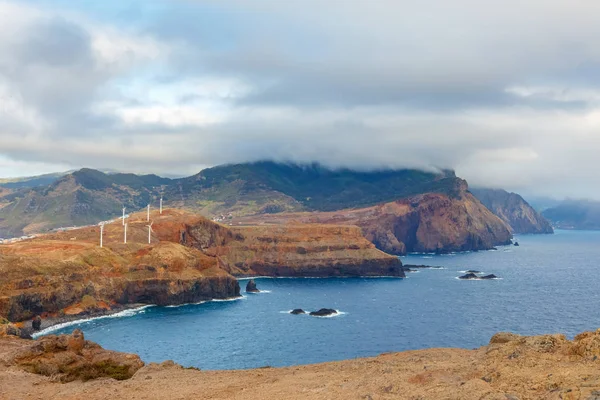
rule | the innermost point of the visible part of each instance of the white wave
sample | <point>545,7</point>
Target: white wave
<point>467,272</point>
<point>427,257</point>
<point>231,299</point>
<point>187,304</point>
<point>125,313</point>
<point>259,292</point>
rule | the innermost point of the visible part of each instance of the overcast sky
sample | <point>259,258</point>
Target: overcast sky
<point>505,92</point>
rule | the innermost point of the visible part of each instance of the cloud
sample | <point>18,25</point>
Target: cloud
<point>506,93</point>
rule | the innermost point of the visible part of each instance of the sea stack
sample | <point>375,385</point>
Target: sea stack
<point>251,287</point>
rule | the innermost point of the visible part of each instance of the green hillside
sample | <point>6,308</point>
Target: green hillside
<point>88,196</point>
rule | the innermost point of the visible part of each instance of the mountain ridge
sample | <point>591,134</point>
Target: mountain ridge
<point>438,214</point>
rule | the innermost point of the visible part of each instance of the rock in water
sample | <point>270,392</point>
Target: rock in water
<point>251,287</point>
<point>470,275</point>
<point>297,311</point>
<point>323,312</point>
<point>516,243</point>
<point>490,276</point>
<point>36,323</point>
<point>472,271</point>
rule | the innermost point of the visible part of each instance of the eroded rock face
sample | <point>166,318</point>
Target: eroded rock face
<point>70,357</point>
<point>306,251</point>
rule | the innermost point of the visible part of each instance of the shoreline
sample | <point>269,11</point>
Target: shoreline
<point>52,324</point>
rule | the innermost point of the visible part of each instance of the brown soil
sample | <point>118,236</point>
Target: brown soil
<point>511,367</point>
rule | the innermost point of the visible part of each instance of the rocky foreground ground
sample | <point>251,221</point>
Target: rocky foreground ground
<point>510,367</point>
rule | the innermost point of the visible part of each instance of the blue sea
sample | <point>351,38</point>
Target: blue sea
<point>550,283</point>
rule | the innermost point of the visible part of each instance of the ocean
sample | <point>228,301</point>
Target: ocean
<point>549,284</point>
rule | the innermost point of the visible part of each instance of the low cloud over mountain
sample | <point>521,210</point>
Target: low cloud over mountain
<point>506,93</point>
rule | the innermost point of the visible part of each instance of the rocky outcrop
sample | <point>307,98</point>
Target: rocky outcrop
<point>514,210</point>
<point>251,287</point>
<point>474,276</point>
<point>67,358</point>
<point>323,312</point>
<point>490,276</point>
<point>297,311</point>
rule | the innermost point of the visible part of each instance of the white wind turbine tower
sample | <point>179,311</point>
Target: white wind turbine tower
<point>148,213</point>
<point>125,234</point>
<point>150,232</point>
<point>161,204</point>
<point>123,216</point>
<point>101,232</point>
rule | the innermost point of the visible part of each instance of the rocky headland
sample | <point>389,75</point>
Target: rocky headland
<point>428,223</point>
<point>66,275</point>
<point>513,210</point>
<point>510,367</point>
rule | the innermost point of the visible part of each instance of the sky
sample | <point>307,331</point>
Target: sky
<point>507,93</point>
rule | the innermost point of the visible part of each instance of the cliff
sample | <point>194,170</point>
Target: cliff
<point>292,250</point>
<point>432,222</point>
<point>55,277</point>
<point>548,367</point>
<point>513,210</point>
<point>305,251</point>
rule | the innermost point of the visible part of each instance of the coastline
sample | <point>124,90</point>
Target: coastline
<point>52,324</point>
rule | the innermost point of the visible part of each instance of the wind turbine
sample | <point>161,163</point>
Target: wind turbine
<point>150,232</point>
<point>148,213</point>
<point>161,204</point>
<point>101,232</point>
<point>123,216</point>
<point>125,237</point>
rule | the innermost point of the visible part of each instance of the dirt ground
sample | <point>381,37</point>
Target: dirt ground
<point>511,367</point>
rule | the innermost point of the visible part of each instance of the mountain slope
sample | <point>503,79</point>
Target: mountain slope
<point>83,197</point>
<point>575,214</point>
<point>268,187</point>
<point>514,210</point>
